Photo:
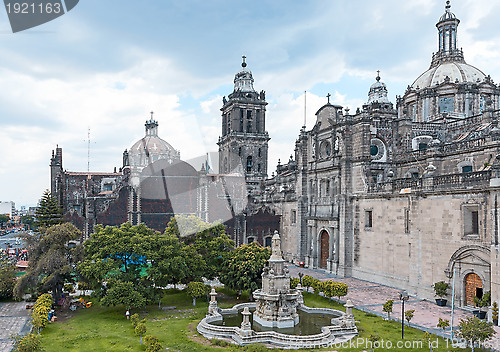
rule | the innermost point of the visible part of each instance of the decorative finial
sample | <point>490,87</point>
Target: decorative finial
<point>328,96</point>
<point>244,64</point>
<point>152,115</point>
<point>378,75</point>
<point>448,6</point>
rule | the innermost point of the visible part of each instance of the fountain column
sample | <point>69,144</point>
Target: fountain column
<point>212,306</point>
<point>246,327</point>
<point>276,302</point>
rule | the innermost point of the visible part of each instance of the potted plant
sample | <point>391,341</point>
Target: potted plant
<point>494,313</point>
<point>480,303</point>
<point>441,291</point>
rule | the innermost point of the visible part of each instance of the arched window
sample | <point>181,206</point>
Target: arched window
<point>268,241</point>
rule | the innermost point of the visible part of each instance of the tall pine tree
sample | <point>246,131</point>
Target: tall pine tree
<point>48,212</point>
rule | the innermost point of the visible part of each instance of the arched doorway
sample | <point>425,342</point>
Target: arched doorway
<point>325,249</point>
<point>473,288</point>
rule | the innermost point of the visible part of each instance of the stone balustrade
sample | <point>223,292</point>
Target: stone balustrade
<point>468,180</point>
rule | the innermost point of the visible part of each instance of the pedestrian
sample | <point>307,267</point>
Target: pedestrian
<point>127,314</point>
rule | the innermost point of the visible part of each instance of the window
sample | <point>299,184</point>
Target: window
<point>407,220</point>
<point>239,151</point>
<point>260,153</point>
<point>259,168</point>
<point>368,219</point>
<point>267,242</point>
<point>467,168</point>
<point>446,104</point>
<point>249,164</point>
<point>241,120</point>
<point>257,121</point>
<point>250,240</point>
<point>422,146</point>
<point>108,187</point>
<point>293,217</point>
<point>414,175</point>
<point>471,220</point>
<point>373,150</point>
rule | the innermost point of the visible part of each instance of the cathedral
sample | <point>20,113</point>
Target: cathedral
<point>400,193</point>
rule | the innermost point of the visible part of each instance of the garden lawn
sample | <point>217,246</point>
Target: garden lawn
<point>106,329</point>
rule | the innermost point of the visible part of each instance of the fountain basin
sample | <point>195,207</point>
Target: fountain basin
<point>335,333</point>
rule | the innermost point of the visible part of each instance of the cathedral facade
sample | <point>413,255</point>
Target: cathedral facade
<point>403,195</point>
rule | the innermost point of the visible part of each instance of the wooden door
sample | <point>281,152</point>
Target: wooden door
<point>473,288</point>
<point>325,249</point>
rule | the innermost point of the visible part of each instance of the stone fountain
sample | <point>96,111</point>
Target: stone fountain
<point>276,302</point>
<point>277,307</point>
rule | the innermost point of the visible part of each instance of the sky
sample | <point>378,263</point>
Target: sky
<point>106,64</point>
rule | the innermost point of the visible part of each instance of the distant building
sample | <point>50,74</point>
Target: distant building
<point>7,208</point>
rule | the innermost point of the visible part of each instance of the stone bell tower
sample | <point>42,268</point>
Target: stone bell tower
<point>243,145</point>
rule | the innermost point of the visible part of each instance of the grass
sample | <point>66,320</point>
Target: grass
<point>106,329</point>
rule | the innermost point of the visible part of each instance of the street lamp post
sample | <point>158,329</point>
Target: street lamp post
<point>403,296</point>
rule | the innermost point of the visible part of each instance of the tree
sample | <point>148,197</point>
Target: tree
<point>123,292</point>
<point>140,330</point>
<point>473,330</point>
<point>4,219</point>
<point>243,268</point>
<point>48,213</point>
<point>115,264</point>
<point>431,340</point>
<point>174,262</point>
<point>7,279</point>
<point>53,254</point>
<point>196,289</point>
<point>28,221</point>
<point>388,308</point>
<point>208,240</point>
<point>409,315</point>
<point>443,324</point>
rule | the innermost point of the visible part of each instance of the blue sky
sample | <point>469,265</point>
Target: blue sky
<point>107,63</point>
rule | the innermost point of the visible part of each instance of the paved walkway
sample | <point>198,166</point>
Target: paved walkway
<point>13,320</point>
<point>370,297</point>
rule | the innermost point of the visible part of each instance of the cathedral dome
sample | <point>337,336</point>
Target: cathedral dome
<point>151,148</point>
<point>448,64</point>
<point>456,72</point>
<point>378,92</point>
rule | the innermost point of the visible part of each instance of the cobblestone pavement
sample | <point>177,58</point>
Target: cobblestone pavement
<point>370,297</point>
<point>13,320</point>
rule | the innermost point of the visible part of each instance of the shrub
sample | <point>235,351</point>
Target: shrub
<point>441,289</point>
<point>294,281</point>
<point>28,343</point>
<point>307,281</point>
<point>152,343</point>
